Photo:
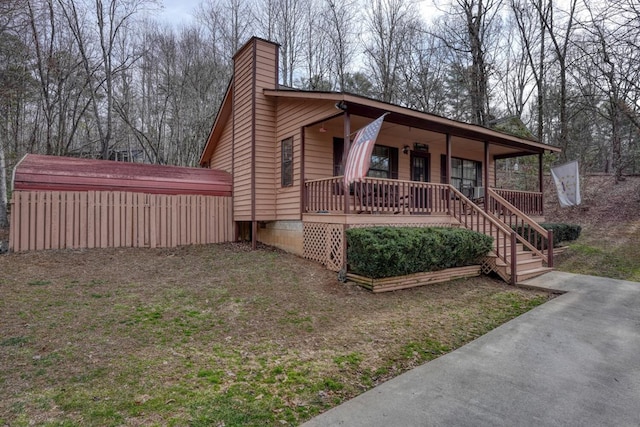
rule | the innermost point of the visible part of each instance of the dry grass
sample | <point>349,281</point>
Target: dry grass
<point>610,216</point>
<point>214,335</point>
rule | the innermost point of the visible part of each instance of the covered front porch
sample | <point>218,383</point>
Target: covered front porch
<point>380,196</point>
<point>505,215</point>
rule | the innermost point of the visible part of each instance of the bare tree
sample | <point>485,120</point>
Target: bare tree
<point>529,20</point>
<point>560,41</point>
<point>608,65</point>
<point>391,24</point>
<point>282,21</point>
<point>11,82</point>
<point>423,73</point>
<point>101,58</point>
<point>340,30</point>
<point>469,31</point>
<point>229,24</point>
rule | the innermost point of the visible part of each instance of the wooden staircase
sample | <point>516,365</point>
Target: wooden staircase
<point>528,264</point>
<point>513,258</point>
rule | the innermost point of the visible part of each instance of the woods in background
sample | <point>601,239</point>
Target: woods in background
<point>105,79</point>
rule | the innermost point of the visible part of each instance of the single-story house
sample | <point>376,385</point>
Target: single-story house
<point>285,150</point>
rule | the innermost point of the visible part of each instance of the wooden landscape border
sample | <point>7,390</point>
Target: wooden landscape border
<point>413,280</point>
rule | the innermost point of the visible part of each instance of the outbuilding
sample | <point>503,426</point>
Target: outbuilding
<point>63,202</point>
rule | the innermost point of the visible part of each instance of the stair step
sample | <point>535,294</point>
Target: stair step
<point>527,264</point>
<point>520,255</point>
<point>530,274</point>
<point>523,264</point>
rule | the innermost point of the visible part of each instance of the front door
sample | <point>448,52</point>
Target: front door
<point>420,167</point>
<point>420,172</point>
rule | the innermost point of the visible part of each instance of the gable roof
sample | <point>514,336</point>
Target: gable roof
<point>224,112</point>
<point>367,107</point>
<point>53,173</point>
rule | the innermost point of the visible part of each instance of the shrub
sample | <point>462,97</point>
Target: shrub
<point>561,233</point>
<point>379,252</point>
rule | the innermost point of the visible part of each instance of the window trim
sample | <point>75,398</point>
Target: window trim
<point>286,164</point>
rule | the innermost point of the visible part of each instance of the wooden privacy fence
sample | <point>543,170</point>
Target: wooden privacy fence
<point>100,219</point>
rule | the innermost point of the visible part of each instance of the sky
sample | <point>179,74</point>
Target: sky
<point>177,12</point>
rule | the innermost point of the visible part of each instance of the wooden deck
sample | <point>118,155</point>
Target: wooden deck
<point>330,208</point>
<point>397,197</point>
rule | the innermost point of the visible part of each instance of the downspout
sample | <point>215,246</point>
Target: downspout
<point>486,176</point>
<point>448,170</point>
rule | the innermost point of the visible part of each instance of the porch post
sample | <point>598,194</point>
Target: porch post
<point>448,170</point>
<point>345,154</point>
<point>486,175</point>
<point>540,177</point>
<point>347,196</point>
<point>541,180</point>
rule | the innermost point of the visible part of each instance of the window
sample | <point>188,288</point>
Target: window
<point>287,163</point>
<point>466,174</point>
<point>384,160</point>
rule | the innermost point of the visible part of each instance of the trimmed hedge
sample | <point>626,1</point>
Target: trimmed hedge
<point>380,252</point>
<point>561,233</point>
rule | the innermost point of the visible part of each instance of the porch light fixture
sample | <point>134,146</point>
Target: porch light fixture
<point>341,105</point>
<point>406,149</point>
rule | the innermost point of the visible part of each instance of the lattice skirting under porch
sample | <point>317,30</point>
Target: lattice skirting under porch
<point>324,243</point>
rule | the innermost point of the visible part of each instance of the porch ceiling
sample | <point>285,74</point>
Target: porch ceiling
<point>502,144</point>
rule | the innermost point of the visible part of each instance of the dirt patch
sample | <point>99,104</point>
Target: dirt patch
<point>605,202</point>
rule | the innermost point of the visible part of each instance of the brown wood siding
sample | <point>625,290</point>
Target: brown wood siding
<point>242,144</point>
<point>222,157</point>
<point>292,114</point>
<point>265,119</point>
<point>100,219</point>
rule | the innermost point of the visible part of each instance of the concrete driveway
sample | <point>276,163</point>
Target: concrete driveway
<point>574,361</point>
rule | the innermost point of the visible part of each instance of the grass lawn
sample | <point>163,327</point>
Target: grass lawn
<point>214,335</point>
<point>613,252</point>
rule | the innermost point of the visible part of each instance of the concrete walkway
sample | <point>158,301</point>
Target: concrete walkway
<point>574,361</point>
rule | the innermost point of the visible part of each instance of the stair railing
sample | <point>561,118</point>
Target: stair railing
<point>530,233</point>
<point>472,217</point>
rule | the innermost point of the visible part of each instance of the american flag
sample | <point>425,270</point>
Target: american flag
<point>359,157</point>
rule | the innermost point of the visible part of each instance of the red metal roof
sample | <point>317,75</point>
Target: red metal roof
<point>52,173</point>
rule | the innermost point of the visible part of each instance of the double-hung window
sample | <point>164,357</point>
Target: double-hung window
<point>384,160</point>
<point>466,174</point>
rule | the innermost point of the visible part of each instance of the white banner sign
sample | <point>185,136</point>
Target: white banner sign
<point>568,183</point>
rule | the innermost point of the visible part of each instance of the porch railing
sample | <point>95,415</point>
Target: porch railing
<point>529,202</point>
<point>531,234</point>
<point>376,196</point>
<point>473,218</point>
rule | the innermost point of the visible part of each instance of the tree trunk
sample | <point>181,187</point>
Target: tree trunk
<point>4,219</point>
